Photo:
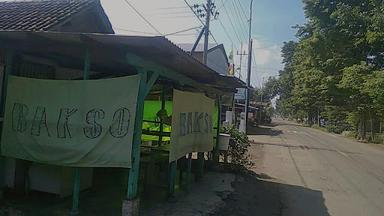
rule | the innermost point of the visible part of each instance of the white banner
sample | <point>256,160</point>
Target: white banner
<point>83,123</point>
<point>192,128</point>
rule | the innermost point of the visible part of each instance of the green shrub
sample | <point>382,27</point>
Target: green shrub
<point>334,129</point>
<point>350,134</point>
<point>238,147</point>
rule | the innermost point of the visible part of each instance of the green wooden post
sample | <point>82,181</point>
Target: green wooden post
<point>7,72</point>
<point>76,170</point>
<point>172,179</point>
<point>76,192</point>
<point>133,176</point>
<point>201,160</point>
<point>161,120</point>
<point>144,89</point>
<point>216,152</point>
<point>189,169</point>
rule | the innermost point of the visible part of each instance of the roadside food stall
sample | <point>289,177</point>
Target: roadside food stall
<point>76,103</point>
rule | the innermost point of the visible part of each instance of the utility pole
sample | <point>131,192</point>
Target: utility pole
<point>208,9</point>
<point>249,67</point>
<point>241,54</point>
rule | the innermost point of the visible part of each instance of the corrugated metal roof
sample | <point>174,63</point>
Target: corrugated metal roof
<point>187,47</point>
<point>109,52</point>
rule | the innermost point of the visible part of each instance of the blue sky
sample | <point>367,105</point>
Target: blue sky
<point>272,22</point>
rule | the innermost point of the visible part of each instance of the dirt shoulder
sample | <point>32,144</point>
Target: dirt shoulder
<point>253,194</point>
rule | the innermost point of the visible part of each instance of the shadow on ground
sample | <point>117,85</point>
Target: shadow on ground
<point>256,195</point>
<point>264,130</point>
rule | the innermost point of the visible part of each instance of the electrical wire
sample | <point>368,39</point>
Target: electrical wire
<point>197,16</point>
<point>243,10</point>
<point>225,31</point>
<point>133,31</point>
<point>242,25</point>
<point>222,4</point>
<point>231,22</point>
<point>184,30</point>
<point>141,15</point>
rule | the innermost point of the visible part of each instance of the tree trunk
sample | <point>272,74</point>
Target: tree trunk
<point>372,126</point>
<point>362,127</point>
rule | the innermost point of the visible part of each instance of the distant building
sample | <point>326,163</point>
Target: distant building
<point>217,57</point>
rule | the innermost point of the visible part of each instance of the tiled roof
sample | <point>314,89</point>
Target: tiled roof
<point>39,15</point>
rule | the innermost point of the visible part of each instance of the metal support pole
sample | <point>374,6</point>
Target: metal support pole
<point>76,171</point>
<point>249,67</point>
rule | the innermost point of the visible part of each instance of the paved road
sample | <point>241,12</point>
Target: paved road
<point>320,173</point>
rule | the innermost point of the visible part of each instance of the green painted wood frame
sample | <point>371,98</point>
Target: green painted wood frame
<point>147,80</point>
<point>8,71</point>
<point>76,170</point>
<point>172,178</point>
<point>137,61</point>
<point>216,153</point>
<point>189,171</point>
<point>142,67</point>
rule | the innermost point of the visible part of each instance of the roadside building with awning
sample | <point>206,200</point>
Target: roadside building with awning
<point>78,105</point>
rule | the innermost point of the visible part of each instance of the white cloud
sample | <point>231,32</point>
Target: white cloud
<point>173,15</point>
<point>167,16</point>
<point>266,61</point>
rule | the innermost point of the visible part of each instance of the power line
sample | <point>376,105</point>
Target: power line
<point>170,13</point>
<point>237,13</point>
<point>197,16</point>
<point>222,5</point>
<point>133,31</point>
<point>225,31</point>
<point>230,21</point>
<point>147,21</point>
<point>184,30</point>
<point>172,8</point>
<point>243,10</point>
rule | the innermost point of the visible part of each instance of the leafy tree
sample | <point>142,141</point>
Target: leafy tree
<point>334,72</point>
